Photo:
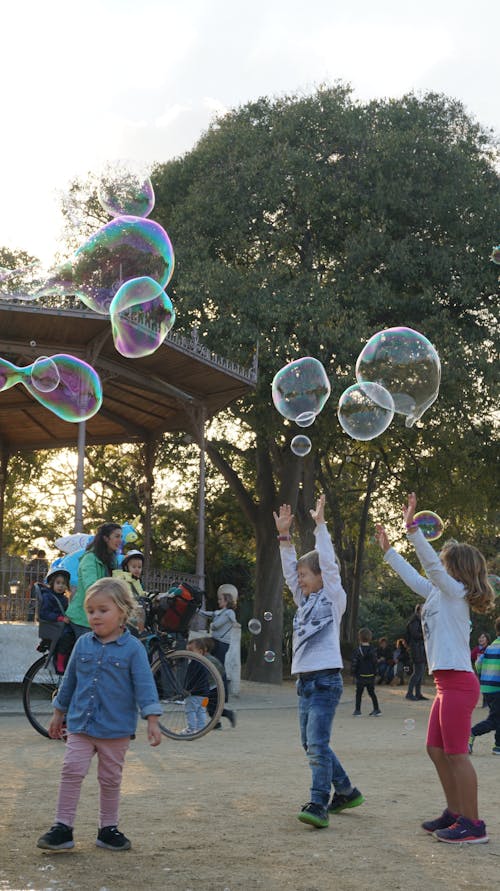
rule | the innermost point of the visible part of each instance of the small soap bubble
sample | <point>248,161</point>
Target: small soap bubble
<point>407,365</point>
<point>32,343</point>
<point>495,255</point>
<point>267,616</point>
<point>301,445</point>
<point>44,374</point>
<point>409,724</point>
<point>301,389</point>
<point>269,656</point>
<point>306,419</point>
<point>254,626</point>
<point>430,524</point>
<point>365,410</point>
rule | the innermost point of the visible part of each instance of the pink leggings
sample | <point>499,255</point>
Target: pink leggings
<point>80,749</point>
<point>449,725</point>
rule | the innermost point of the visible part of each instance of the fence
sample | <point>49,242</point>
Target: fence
<point>17,604</point>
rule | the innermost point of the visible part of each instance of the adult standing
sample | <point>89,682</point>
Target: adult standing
<point>415,638</point>
<point>98,561</point>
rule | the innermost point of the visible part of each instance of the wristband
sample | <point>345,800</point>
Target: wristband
<point>412,525</point>
<point>284,537</point>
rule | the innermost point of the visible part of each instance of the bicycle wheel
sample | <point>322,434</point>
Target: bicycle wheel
<point>40,686</point>
<point>180,675</point>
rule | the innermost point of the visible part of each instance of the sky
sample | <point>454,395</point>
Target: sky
<point>88,82</point>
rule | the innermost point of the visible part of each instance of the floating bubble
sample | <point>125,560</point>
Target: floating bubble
<point>431,525</point>
<point>494,581</point>
<point>267,616</point>
<point>44,374</point>
<point>301,445</point>
<point>409,724</point>
<point>365,410</point>
<point>407,365</point>
<point>141,317</point>
<point>77,396</point>
<point>124,189</point>
<point>301,388</point>
<point>269,656</point>
<point>254,626</point>
<point>495,255</point>
<point>32,343</point>
<point>306,419</point>
<point>126,248</point>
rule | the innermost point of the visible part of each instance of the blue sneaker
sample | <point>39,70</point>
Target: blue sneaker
<point>446,820</point>
<point>462,832</point>
<point>315,815</point>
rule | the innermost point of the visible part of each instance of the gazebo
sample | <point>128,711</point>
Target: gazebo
<point>178,388</point>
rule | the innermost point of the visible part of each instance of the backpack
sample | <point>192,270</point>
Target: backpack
<point>175,609</point>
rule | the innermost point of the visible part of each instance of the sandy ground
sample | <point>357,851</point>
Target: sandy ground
<point>219,814</point>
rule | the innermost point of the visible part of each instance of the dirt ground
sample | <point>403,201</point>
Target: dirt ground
<point>219,814</point>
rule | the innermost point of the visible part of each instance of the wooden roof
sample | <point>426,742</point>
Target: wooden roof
<point>141,397</point>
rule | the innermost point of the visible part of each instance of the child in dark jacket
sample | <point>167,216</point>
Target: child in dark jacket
<point>52,606</point>
<point>364,670</point>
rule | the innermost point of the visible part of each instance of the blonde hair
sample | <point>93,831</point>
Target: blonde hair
<point>117,590</point>
<point>467,565</point>
<point>311,560</point>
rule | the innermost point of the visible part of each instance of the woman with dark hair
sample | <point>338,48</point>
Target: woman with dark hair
<point>98,561</point>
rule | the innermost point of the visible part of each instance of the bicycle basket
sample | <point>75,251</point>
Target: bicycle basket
<point>50,630</point>
<point>175,609</point>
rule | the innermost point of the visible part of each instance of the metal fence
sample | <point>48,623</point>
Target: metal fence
<point>17,604</point>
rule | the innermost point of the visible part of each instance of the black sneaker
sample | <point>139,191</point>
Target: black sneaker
<point>342,802</point>
<point>446,820</point>
<point>111,837</point>
<point>375,713</point>
<point>58,838</point>
<point>232,717</point>
<point>422,698</point>
<point>314,814</point>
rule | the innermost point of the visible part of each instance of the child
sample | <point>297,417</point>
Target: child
<point>489,670</point>
<point>223,620</point>
<point>457,580</point>
<point>402,661</point>
<point>314,581</point>
<point>364,669</point>
<point>107,679</point>
<point>385,662</point>
<point>205,646</point>
<point>53,603</point>
<point>131,571</point>
<point>196,704</point>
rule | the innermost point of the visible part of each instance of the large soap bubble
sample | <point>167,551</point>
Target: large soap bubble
<point>77,395</point>
<point>123,249</point>
<point>141,317</point>
<point>124,189</point>
<point>365,410</point>
<point>406,364</point>
<point>430,524</point>
<point>300,390</point>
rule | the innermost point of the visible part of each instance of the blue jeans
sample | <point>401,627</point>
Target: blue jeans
<point>318,700</point>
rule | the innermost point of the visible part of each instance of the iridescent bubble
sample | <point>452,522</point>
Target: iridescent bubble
<point>409,724</point>
<point>495,255</point>
<point>124,249</point>
<point>306,419</point>
<point>301,445</point>
<point>267,616</point>
<point>44,374</point>
<point>124,189</point>
<point>254,626</point>
<point>77,396</point>
<point>365,410</point>
<point>494,581</point>
<point>141,317</point>
<point>269,656</point>
<point>407,365</point>
<point>300,388</point>
<point>430,524</point>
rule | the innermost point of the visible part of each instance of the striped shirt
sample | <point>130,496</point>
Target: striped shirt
<point>489,668</point>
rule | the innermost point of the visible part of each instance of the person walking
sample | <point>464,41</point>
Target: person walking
<point>415,639</point>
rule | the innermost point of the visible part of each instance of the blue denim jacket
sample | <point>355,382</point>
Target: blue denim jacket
<point>105,684</point>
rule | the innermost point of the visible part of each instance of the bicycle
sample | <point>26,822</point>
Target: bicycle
<point>178,674</point>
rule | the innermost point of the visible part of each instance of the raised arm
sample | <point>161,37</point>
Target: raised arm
<point>427,555</point>
<point>406,572</point>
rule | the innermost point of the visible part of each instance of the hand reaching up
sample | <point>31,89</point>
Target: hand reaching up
<point>318,513</point>
<point>409,512</point>
<point>381,536</point>
<point>284,519</point>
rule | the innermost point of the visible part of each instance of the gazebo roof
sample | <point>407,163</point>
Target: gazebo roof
<point>142,398</point>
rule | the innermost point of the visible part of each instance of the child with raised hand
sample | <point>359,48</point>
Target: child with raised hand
<point>314,581</point>
<point>456,581</point>
<point>107,679</point>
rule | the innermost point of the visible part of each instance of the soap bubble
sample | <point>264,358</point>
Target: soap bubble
<point>77,396</point>
<point>141,317</point>
<point>254,626</point>
<point>301,388</point>
<point>125,248</point>
<point>494,581</point>
<point>267,616</point>
<point>495,255</point>
<point>44,374</point>
<point>306,419</point>
<point>407,365</point>
<point>124,189</point>
<point>269,656</point>
<point>365,410</point>
<point>301,445</point>
<point>431,525</point>
<point>409,724</point>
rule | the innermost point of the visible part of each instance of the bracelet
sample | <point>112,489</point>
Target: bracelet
<point>412,525</point>
<point>284,537</point>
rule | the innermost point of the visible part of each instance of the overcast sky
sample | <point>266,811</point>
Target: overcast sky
<point>88,81</point>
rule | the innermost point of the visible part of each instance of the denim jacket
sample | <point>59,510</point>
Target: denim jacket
<point>105,684</point>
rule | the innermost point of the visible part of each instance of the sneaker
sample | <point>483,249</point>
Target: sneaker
<point>446,820</point>
<point>341,802</point>
<point>464,831</point>
<point>111,837</point>
<point>470,744</point>
<point>375,713</point>
<point>495,750</point>
<point>314,814</point>
<point>411,697</point>
<point>422,698</point>
<point>58,838</point>
<point>232,717</point>
<point>356,714</point>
